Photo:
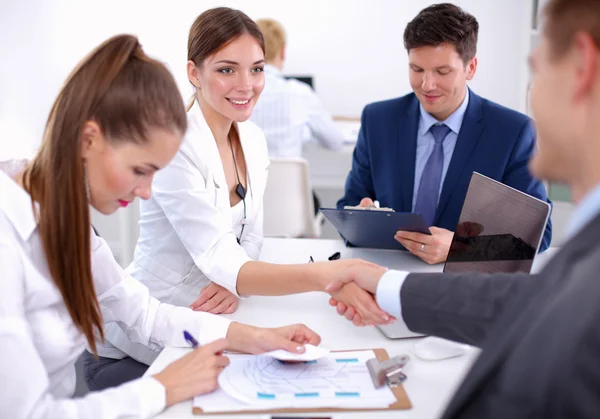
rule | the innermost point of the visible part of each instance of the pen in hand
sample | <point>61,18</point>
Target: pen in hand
<point>190,339</point>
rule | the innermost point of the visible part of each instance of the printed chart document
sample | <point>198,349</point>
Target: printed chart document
<point>339,380</point>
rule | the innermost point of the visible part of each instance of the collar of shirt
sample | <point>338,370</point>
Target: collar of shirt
<point>453,122</point>
<point>13,201</point>
<point>271,70</point>
<point>587,209</point>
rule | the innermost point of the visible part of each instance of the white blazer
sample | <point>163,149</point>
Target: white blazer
<point>40,342</point>
<point>187,238</point>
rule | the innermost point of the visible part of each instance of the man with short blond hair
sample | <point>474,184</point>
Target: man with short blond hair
<point>288,110</point>
<point>275,40</point>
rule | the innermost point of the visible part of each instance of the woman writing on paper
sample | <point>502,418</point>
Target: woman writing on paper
<point>118,119</point>
<point>201,230</point>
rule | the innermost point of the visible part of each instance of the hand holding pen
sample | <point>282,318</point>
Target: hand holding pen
<point>195,373</point>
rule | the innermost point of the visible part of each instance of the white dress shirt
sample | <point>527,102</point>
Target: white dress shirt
<point>290,113</point>
<point>188,230</point>
<point>426,143</point>
<point>40,342</point>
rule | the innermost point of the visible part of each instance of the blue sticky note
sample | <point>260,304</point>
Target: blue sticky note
<point>341,360</point>
<point>265,396</point>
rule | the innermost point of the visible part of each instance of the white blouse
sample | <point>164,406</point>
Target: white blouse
<point>188,229</point>
<point>40,343</point>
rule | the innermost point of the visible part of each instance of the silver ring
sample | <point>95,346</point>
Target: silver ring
<point>422,247</point>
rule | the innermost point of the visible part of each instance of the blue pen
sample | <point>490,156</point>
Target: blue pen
<point>190,339</point>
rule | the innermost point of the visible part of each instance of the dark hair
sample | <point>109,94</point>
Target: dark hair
<point>215,28</point>
<point>125,93</point>
<point>443,24</point>
<point>564,18</point>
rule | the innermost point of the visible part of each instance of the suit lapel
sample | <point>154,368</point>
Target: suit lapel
<point>497,351</point>
<point>406,151</point>
<point>469,134</point>
<point>207,154</point>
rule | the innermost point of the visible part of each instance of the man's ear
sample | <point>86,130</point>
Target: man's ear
<point>584,57</point>
<point>192,72</point>
<point>471,68</point>
<point>283,53</point>
<point>91,138</point>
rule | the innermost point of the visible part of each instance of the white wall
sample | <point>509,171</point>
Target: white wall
<point>352,47</point>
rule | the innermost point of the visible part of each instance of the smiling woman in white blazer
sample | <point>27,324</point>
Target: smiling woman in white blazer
<point>201,231</point>
<point>189,231</point>
<point>206,206</point>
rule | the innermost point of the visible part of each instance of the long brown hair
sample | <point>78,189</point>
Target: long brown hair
<point>215,29</point>
<point>126,93</point>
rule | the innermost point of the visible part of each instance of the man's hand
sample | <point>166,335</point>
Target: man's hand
<point>432,249</point>
<point>350,314</point>
<point>352,301</point>
<point>216,300</point>
<point>366,202</point>
<point>363,275</point>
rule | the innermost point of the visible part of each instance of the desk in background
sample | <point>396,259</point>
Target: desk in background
<point>328,169</point>
<point>430,385</point>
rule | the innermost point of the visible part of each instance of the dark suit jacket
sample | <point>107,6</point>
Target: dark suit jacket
<point>493,140</point>
<point>539,334</point>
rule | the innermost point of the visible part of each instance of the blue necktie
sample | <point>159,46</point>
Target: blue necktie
<point>427,197</point>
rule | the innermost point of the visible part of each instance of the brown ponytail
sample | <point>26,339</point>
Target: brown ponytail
<point>126,93</point>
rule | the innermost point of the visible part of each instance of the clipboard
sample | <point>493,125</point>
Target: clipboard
<point>374,229</point>
<point>402,401</point>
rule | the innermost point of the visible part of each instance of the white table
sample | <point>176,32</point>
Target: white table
<point>429,385</point>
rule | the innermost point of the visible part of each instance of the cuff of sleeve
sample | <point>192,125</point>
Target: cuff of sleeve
<point>152,395</point>
<point>226,272</point>
<point>212,327</point>
<point>388,292</point>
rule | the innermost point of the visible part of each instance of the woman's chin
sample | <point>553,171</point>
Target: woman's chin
<point>106,209</point>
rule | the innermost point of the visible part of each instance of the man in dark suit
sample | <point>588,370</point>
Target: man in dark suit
<point>417,153</point>
<point>539,334</point>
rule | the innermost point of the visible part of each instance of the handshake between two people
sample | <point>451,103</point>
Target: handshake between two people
<point>353,294</point>
<point>352,284</point>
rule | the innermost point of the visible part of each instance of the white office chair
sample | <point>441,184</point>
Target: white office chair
<point>288,201</point>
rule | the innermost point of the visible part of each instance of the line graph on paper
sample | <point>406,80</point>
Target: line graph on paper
<point>340,379</point>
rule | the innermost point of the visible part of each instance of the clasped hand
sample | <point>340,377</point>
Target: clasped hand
<point>352,291</point>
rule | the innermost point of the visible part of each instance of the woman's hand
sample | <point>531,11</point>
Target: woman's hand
<point>352,285</point>
<point>351,301</point>
<point>195,373</point>
<point>257,340</point>
<point>216,299</point>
